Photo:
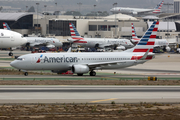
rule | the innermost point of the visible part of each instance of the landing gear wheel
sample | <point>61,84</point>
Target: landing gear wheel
<point>10,54</point>
<point>80,74</point>
<point>26,73</point>
<point>92,73</point>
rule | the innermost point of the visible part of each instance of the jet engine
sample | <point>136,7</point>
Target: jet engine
<point>50,46</point>
<point>120,48</point>
<point>80,69</point>
<point>134,13</point>
<point>168,48</point>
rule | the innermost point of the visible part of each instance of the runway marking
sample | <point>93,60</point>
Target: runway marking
<point>103,100</point>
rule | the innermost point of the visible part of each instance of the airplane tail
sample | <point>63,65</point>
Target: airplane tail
<point>147,42</point>
<point>135,39</point>
<point>6,26</point>
<point>74,33</point>
<point>158,8</point>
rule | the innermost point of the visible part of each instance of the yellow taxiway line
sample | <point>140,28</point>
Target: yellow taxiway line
<point>103,100</point>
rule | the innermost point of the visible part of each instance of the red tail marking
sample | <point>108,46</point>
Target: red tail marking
<point>142,50</point>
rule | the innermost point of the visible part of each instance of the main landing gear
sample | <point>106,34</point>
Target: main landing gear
<point>10,53</point>
<point>92,73</point>
<point>26,73</point>
<point>80,74</point>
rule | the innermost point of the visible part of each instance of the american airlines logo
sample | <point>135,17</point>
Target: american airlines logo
<point>39,60</point>
<point>60,59</point>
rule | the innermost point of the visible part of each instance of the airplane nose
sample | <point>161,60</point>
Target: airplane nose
<point>23,41</point>
<point>13,64</point>
<point>61,44</point>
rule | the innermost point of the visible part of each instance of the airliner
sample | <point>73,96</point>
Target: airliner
<point>81,63</point>
<point>158,42</point>
<point>135,11</point>
<point>38,41</point>
<point>98,42</point>
<point>9,39</point>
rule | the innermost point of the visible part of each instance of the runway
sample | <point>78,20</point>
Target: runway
<point>89,94</point>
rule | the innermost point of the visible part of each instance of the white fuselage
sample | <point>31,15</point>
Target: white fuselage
<point>64,61</point>
<point>10,39</point>
<point>36,41</point>
<point>104,42</point>
<point>161,42</point>
<point>125,10</point>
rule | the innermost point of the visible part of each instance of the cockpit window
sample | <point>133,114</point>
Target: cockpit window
<point>20,58</point>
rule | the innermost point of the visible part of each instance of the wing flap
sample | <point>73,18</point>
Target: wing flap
<point>102,64</point>
<point>142,12</point>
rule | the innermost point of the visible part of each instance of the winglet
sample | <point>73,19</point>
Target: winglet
<point>145,55</point>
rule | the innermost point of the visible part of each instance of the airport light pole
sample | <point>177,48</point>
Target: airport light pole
<point>45,17</point>
<point>168,4</point>
<point>56,9</point>
<point>94,10</point>
<point>115,4</point>
<point>37,18</point>
<point>26,8</point>
<point>79,8</point>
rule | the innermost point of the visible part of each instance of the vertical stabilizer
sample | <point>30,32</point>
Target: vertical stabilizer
<point>135,39</point>
<point>147,42</point>
<point>74,33</point>
<point>6,26</point>
<point>158,8</point>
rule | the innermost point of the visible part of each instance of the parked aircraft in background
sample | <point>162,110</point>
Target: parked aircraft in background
<point>39,41</point>
<point>9,39</point>
<point>81,63</point>
<point>158,42</point>
<point>136,11</point>
<point>98,42</point>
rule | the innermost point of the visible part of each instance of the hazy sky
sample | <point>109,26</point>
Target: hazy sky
<point>87,5</point>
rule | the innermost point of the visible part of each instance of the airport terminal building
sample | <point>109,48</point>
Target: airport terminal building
<point>113,26</point>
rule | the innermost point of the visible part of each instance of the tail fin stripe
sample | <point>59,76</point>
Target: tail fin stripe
<point>146,43</point>
<point>144,40</point>
<point>142,50</point>
<point>150,43</point>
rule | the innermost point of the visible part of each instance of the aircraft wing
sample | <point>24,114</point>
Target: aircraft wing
<point>106,45</point>
<point>145,11</point>
<point>37,44</point>
<point>102,64</point>
<point>72,40</point>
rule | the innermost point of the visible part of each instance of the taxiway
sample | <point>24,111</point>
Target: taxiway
<point>89,94</point>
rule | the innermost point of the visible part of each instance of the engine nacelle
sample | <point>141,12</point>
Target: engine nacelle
<point>134,13</point>
<point>80,69</point>
<point>50,46</point>
<point>120,48</point>
<point>168,49</point>
<point>58,71</point>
